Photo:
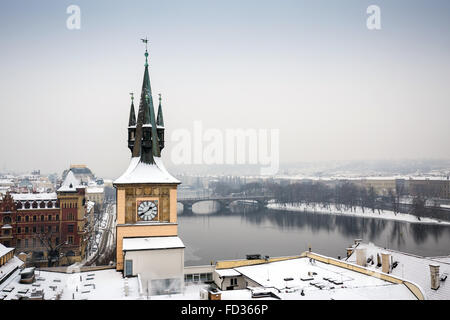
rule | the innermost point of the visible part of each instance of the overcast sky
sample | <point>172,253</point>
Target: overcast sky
<point>312,69</point>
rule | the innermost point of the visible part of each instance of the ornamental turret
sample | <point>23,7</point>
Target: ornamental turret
<point>131,125</point>
<point>160,125</point>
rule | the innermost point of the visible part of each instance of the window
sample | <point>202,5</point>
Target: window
<point>70,216</point>
<point>49,228</point>
<point>42,218</point>
<point>42,204</point>
<point>27,205</point>
<point>42,229</point>
<point>57,217</point>
<point>70,239</point>
<point>19,218</point>
<point>19,229</point>
<point>26,243</point>
<point>34,229</point>
<point>19,243</point>
<point>49,217</point>
<point>26,231</point>
<point>49,204</point>
<point>34,218</point>
<point>35,205</point>
<point>70,228</point>
<point>56,228</point>
<point>56,241</point>
<point>27,218</point>
<point>7,220</point>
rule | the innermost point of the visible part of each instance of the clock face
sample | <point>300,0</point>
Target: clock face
<point>147,210</point>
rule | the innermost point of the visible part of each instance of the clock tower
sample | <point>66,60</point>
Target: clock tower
<point>147,229</point>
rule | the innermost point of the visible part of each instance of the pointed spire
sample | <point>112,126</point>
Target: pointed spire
<point>132,120</point>
<point>160,119</point>
<point>146,115</point>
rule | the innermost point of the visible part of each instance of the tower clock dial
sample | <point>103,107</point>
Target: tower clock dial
<point>148,210</point>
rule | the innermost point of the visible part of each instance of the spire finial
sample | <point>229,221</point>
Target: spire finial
<point>146,51</point>
<point>132,96</point>
<point>159,98</point>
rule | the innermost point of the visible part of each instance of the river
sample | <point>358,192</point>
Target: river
<point>232,234</point>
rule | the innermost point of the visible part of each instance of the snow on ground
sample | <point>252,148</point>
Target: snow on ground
<point>356,212</point>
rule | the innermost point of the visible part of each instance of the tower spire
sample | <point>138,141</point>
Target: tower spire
<point>147,144</point>
<point>132,119</point>
<point>160,119</point>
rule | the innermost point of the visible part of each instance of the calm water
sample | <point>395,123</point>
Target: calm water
<point>230,235</point>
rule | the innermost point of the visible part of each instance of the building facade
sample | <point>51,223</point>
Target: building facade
<point>95,194</point>
<point>49,227</point>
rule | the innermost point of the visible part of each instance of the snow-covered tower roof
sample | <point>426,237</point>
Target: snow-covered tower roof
<point>70,183</point>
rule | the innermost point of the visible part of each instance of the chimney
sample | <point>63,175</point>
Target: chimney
<point>361,256</point>
<point>435,281</point>
<point>349,252</point>
<point>385,262</point>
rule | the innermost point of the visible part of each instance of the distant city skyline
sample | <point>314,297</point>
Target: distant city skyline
<point>335,90</point>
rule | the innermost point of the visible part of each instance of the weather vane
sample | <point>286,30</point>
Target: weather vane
<point>146,52</point>
<point>146,42</point>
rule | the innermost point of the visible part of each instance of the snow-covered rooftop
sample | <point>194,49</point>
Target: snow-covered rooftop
<point>152,243</point>
<point>413,268</point>
<point>95,190</point>
<point>227,273</point>
<point>302,278</point>
<point>70,183</point>
<point>4,250</point>
<point>95,285</point>
<point>34,196</point>
<point>140,172</point>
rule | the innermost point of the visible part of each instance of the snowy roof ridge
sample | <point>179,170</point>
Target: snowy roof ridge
<point>70,183</point>
<point>140,172</point>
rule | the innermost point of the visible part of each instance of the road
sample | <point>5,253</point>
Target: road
<point>106,228</point>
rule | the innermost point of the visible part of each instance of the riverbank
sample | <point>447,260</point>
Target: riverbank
<point>332,209</point>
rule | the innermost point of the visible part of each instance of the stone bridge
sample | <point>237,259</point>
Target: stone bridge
<point>224,202</point>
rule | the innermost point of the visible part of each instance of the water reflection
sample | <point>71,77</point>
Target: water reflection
<point>243,229</point>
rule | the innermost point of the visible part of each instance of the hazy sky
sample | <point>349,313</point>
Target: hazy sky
<point>312,69</point>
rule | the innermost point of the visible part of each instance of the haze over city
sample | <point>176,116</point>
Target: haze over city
<point>334,89</point>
